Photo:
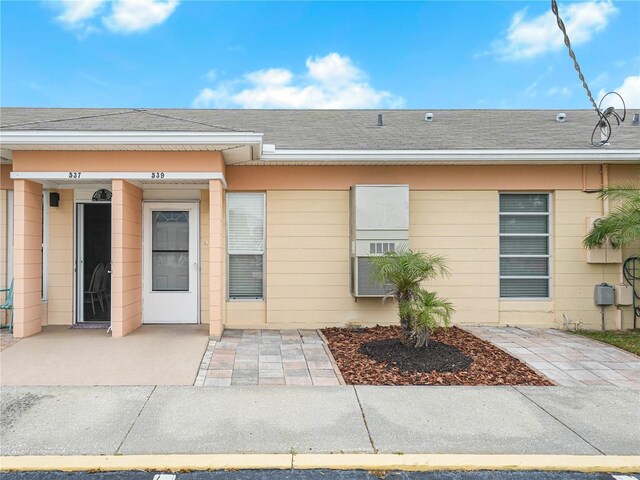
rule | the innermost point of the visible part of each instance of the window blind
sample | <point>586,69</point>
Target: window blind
<point>245,245</point>
<point>524,245</point>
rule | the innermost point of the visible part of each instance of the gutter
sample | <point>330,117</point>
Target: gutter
<point>268,153</point>
<point>463,157</point>
<point>57,137</point>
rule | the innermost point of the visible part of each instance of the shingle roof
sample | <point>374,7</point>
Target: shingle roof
<point>345,129</point>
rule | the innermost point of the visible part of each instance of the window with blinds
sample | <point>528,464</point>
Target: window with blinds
<point>524,245</point>
<point>245,245</point>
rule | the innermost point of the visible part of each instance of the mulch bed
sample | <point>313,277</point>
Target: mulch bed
<point>373,356</point>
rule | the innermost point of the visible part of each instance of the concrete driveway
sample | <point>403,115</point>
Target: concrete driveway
<point>151,355</point>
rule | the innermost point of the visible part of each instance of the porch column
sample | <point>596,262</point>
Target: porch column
<point>216,258</point>
<point>27,258</point>
<point>126,258</point>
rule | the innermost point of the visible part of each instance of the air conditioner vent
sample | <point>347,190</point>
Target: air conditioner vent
<point>380,248</point>
<point>365,281</point>
<point>379,224</point>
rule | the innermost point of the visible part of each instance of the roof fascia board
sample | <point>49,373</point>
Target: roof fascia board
<point>51,137</point>
<point>452,156</point>
<point>105,176</point>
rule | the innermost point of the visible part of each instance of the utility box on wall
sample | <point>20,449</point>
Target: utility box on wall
<point>603,295</point>
<point>379,223</point>
<point>623,295</point>
<point>604,254</point>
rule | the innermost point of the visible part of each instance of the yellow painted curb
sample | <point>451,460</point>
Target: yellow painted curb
<point>430,462</point>
<point>362,461</point>
<point>146,462</point>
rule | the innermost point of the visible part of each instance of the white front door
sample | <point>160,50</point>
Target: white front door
<point>171,266</point>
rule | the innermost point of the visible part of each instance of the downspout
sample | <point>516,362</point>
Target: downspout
<point>605,184</point>
<point>606,209</point>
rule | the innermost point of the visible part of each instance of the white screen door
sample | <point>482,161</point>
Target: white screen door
<point>171,266</point>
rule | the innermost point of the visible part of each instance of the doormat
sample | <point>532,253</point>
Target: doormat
<point>90,326</point>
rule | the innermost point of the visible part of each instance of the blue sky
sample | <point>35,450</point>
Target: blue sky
<point>166,53</point>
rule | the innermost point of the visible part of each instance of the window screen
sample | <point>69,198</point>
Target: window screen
<point>245,245</point>
<point>524,245</point>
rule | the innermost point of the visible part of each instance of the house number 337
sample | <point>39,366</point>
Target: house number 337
<point>157,174</point>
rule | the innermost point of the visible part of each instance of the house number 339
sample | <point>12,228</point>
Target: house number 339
<point>75,174</point>
<point>157,174</point>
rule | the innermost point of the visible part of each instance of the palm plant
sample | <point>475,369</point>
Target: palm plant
<point>622,225</point>
<point>420,311</point>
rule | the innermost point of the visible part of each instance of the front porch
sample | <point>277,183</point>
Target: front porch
<point>52,281</point>
<point>60,356</point>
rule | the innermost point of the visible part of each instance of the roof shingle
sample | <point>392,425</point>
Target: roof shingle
<point>345,129</point>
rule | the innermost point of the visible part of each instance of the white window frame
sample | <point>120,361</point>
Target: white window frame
<point>248,252</point>
<point>549,237</point>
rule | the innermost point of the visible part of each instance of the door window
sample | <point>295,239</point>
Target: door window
<point>170,251</point>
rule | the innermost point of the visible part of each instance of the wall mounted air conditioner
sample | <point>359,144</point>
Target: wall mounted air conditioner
<point>604,254</point>
<point>379,223</point>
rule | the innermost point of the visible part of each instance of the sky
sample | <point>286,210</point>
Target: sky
<point>223,54</point>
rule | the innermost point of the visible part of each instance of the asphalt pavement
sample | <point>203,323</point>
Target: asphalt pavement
<point>319,475</point>
<point>295,420</point>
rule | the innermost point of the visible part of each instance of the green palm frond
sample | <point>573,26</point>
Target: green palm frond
<point>622,225</point>
<point>406,269</point>
<point>627,192</point>
<point>433,311</point>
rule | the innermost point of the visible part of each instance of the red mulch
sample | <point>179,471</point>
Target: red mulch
<point>490,366</point>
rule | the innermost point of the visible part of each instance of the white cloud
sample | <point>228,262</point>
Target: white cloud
<point>332,81</point>
<point>601,79</point>
<point>129,16</point>
<point>528,38</point>
<point>559,92</point>
<point>124,16</point>
<point>629,91</point>
<point>75,12</point>
<point>211,75</point>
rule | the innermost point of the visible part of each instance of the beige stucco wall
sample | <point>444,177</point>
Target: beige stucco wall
<point>204,256</point>
<point>126,279</point>
<point>61,261</point>
<point>217,253</point>
<point>574,278</point>
<point>27,258</point>
<point>462,226</point>
<point>307,262</point>
<point>453,212</point>
<point>307,267</point>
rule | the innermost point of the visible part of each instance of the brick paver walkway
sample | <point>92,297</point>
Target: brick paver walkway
<point>567,359</point>
<point>267,357</point>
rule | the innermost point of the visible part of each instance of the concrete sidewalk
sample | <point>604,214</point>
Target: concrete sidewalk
<point>184,420</point>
